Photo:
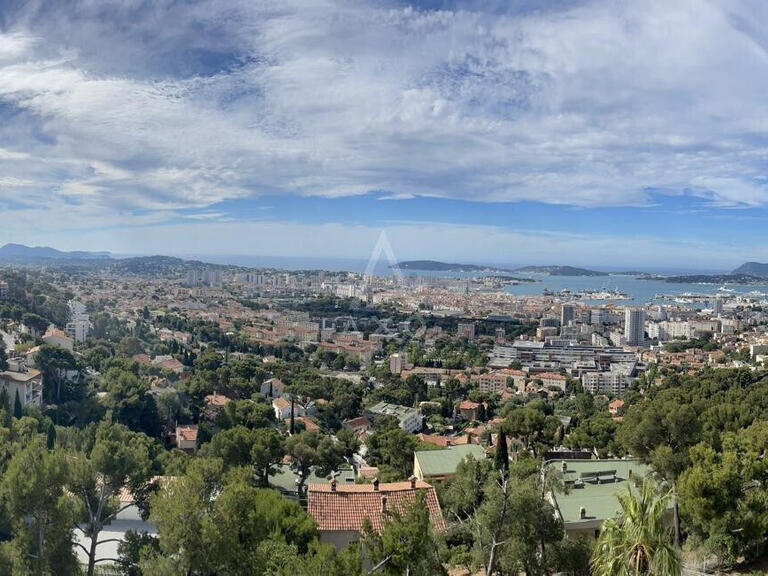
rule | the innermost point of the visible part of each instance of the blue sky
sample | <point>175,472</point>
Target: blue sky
<point>572,132</point>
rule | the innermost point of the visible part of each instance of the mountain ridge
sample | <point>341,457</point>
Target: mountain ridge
<point>757,269</point>
<point>19,252</point>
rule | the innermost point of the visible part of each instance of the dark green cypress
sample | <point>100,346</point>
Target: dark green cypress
<point>501,457</point>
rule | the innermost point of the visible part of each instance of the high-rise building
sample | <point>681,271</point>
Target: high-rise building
<point>566,314</point>
<point>79,322</point>
<point>634,329</point>
<point>717,306</point>
<point>397,363</point>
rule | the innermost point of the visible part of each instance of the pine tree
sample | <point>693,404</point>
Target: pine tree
<point>501,457</point>
<point>18,411</point>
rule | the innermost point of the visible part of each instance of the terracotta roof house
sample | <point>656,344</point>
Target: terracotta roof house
<point>142,359</point>
<point>358,425</point>
<point>340,509</point>
<point>186,437</point>
<point>469,410</point>
<point>309,424</point>
<point>272,388</point>
<point>214,403</point>
<point>444,441</point>
<point>55,337</point>
<point>282,408</point>
<point>169,363</point>
<point>615,406</point>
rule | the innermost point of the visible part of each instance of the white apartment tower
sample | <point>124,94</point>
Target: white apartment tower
<point>79,322</point>
<point>634,326</point>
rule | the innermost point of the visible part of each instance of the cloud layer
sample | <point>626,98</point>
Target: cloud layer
<point>130,113</point>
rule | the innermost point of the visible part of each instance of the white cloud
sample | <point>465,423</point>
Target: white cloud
<point>590,105</point>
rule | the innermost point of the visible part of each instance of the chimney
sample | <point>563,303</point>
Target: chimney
<point>333,484</point>
<point>582,512</point>
<point>383,504</point>
<point>375,484</point>
<point>413,481</point>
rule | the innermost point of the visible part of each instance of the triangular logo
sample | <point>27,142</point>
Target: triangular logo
<point>383,247</point>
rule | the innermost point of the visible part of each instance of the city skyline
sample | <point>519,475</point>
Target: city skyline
<point>581,133</point>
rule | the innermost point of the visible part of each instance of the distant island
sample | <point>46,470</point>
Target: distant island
<point>756,269</point>
<point>746,274</point>
<point>713,279</point>
<point>435,266</point>
<point>560,271</point>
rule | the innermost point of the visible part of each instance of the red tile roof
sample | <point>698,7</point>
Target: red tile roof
<point>309,424</point>
<point>345,509</point>
<point>358,423</point>
<point>142,359</point>
<point>216,400</point>
<point>549,376</point>
<point>281,403</point>
<point>188,432</point>
<point>443,441</point>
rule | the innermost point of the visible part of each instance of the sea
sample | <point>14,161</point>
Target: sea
<point>638,291</point>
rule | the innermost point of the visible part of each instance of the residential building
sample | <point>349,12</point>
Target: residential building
<point>359,425</point>
<point>717,306</point>
<point>127,519</point>
<point>497,381</point>
<point>437,465</point>
<point>591,490</point>
<point>55,337</point>
<point>634,326</point>
<point>410,419</point>
<point>397,363</point>
<point>558,353</point>
<point>186,437</point>
<point>79,322</point>
<point>613,382</point>
<point>286,480</point>
<point>615,406</point>
<point>552,380</point>
<point>272,388</point>
<point>469,410</point>
<point>566,314</point>
<point>213,405</point>
<point>282,408</point>
<point>27,382</point>
<point>341,509</point>
<point>466,330</point>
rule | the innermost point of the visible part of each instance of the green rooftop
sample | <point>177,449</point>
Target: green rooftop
<point>285,478</point>
<point>430,463</point>
<point>594,485</point>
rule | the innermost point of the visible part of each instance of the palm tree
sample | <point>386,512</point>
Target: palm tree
<point>639,542</point>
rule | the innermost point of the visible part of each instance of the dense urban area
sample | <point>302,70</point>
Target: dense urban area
<point>162,417</point>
